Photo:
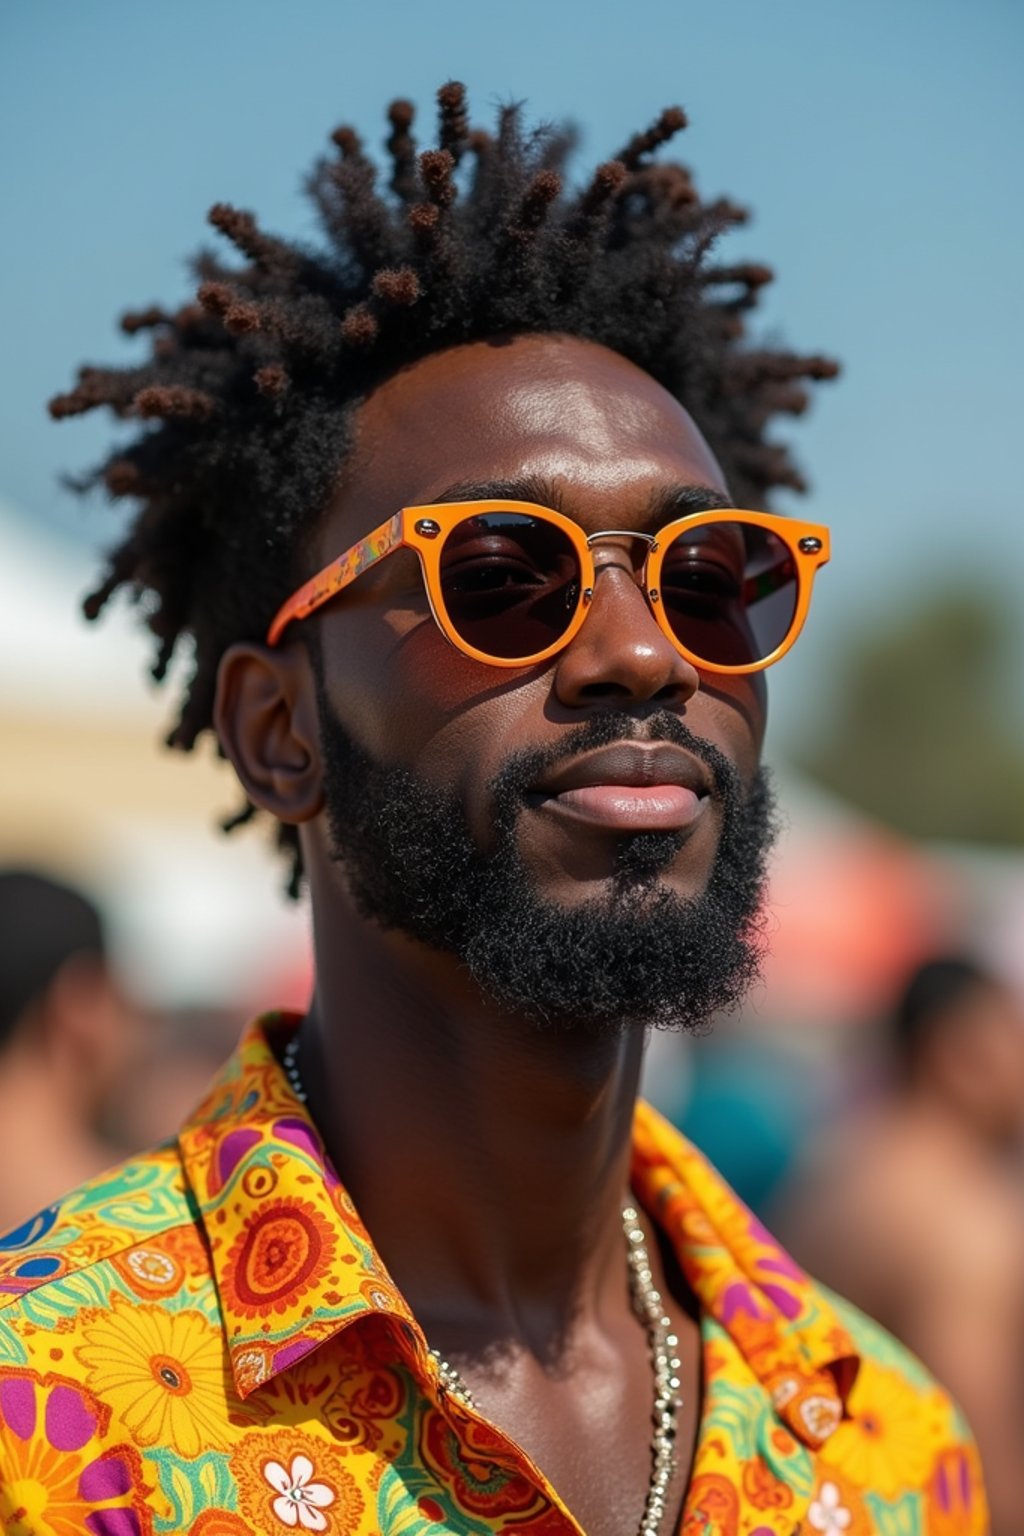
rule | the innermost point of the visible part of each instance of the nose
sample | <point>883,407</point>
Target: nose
<point>619,654</point>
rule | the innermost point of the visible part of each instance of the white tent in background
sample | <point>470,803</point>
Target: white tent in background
<point>87,791</point>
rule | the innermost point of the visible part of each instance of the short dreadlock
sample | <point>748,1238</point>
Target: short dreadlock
<point>248,394</point>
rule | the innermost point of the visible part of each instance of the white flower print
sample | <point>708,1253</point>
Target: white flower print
<point>147,1264</point>
<point>821,1415</point>
<point>298,1502</point>
<point>826,1514</point>
<point>784,1391</point>
<point>251,1367</point>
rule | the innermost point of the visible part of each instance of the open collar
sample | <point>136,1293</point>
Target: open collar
<point>292,1262</point>
<point>779,1319</point>
<point>294,1265</point>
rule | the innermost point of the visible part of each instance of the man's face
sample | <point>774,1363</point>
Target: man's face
<point>563,421</point>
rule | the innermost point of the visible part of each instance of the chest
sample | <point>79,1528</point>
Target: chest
<point>603,1472</point>
<point>589,1431</point>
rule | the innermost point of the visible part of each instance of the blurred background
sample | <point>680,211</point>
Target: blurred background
<point>879,147</point>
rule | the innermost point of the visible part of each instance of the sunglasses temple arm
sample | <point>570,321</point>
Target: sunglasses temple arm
<point>765,582</point>
<point>334,578</point>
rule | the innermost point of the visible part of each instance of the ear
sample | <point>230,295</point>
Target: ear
<point>265,716</point>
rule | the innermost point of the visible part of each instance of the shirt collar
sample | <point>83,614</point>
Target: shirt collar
<point>779,1319</point>
<point>294,1265</point>
<point>292,1262</point>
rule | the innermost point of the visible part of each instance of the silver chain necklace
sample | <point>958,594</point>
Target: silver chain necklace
<point>649,1308</point>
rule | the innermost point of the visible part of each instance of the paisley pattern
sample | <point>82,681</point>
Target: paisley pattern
<point>205,1340</point>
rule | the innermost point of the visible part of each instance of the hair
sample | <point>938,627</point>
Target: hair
<point>42,924</point>
<point>936,990</point>
<point>246,400</point>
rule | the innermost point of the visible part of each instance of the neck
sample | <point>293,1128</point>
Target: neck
<point>489,1159</point>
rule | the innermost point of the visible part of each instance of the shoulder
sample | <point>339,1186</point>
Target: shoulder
<point>877,1347</point>
<point>99,1293</point>
<point>135,1203</point>
<point>903,1447</point>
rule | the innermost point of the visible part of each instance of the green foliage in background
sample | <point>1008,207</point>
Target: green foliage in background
<point>924,722</point>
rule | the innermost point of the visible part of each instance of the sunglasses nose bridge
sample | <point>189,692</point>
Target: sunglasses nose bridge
<point>648,540</point>
<point>621,533</point>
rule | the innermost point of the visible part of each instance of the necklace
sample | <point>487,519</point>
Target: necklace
<point>649,1308</point>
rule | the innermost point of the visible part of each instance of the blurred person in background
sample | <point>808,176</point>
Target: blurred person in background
<point>170,1074</point>
<point>515,431</point>
<point>66,1035</point>
<point>914,1208</point>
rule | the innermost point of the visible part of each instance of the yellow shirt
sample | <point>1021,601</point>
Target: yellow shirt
<point>205,1340</point>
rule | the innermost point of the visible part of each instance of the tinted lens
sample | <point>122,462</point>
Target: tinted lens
<point>729,592</point>
<point>511,583</point>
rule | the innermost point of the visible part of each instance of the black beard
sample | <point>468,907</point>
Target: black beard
<point>641,956</point>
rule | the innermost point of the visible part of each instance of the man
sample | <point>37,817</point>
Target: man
<point>66,1035</point>
<point>435,514</point>
<point>875,1208</point>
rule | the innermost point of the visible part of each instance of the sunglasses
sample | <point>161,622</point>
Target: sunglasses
<point>509,583</point>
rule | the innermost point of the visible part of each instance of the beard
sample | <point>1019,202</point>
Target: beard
<point>639,956</point>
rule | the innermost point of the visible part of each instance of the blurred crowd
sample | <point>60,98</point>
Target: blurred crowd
<point>912,1204</point>
<point>87,1073</point>
<point>893,1171</point>
<point>892,1166</point>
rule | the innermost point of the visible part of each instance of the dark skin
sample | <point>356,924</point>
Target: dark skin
<point>490,1160</point>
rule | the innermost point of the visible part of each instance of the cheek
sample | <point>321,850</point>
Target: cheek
<point>737,707</point>
<point>411,698</point>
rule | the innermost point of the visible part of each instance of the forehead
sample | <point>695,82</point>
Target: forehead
<point>572,413</point>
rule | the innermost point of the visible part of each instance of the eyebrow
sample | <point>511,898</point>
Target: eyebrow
<point>678,500</point>
<point>662,507</point>
<point>543,493</point>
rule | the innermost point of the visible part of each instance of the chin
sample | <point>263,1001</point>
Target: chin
<point>636,880</point>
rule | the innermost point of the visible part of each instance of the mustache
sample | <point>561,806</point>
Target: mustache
<point>511,783</point>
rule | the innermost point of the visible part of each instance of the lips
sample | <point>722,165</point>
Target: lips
<point>628,787</point>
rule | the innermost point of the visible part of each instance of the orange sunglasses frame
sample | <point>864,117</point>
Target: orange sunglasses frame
<point>425,529</point>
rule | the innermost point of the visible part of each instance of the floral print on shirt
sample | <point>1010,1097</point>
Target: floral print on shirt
<point>206,1340</point>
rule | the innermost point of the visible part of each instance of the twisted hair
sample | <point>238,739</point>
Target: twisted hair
<point>246,400</point>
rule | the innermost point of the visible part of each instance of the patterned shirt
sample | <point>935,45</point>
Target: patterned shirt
<point>205,1340</point>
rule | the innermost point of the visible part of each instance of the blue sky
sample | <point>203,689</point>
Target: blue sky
<point>878,143</point>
